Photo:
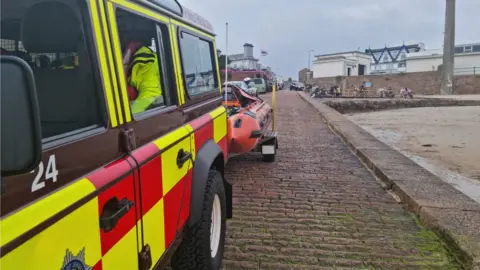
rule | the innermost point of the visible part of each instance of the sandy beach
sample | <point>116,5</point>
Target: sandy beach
<point>445,140</point>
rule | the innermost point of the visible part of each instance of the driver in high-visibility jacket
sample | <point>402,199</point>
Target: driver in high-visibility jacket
<point>143,74</point>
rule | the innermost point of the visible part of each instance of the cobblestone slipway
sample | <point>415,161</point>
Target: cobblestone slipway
<point>318,207</point>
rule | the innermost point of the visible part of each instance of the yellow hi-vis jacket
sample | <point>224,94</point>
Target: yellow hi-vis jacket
<point>145,78</point>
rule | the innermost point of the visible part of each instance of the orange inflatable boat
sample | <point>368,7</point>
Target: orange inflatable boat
<point>248,124</point>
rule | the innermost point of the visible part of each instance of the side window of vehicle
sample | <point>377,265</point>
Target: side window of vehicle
<point>55,39</point>
<point>198,61</point>
<point>146,62</point>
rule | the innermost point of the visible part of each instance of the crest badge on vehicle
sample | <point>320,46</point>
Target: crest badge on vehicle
<point>75,262</point>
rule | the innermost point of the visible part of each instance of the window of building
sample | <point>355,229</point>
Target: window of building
<point>147,62</point>
<point>361,69</point>
<point>385,58</point>
<point>468,49</point>
<point>198,62</point>
<point>65,71</point>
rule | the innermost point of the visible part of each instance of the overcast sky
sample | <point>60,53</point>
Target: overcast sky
<point>288,29</point>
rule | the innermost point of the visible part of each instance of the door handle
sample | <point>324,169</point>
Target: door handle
<point>113,210</point>
<point>182,157</point>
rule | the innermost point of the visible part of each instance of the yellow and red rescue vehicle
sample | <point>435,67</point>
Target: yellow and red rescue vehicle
<point>87,184</point>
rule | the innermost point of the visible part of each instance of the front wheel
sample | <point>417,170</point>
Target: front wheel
<point>203,246</point>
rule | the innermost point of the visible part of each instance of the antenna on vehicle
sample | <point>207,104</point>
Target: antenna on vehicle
<point>226,61</point>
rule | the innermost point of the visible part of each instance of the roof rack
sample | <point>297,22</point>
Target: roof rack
<point>195,18</point>
<point>170,5</point>
<point>175,8</point>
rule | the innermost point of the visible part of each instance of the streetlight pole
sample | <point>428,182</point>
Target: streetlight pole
<point>308,70</point>
<point>309,58</point>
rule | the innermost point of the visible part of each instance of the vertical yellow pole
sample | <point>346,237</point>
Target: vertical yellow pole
<point>274,100</point>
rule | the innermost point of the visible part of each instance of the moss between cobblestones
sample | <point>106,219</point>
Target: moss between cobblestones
<point>347,217</point>
<point>434,246</point>
<point>430,246</point>
<point>426,242</point>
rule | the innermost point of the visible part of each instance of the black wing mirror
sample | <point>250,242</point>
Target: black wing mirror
<point>21,141</point>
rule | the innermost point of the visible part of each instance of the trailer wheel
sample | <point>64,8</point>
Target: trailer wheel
<point>269,158</point>
<point>203,246</point>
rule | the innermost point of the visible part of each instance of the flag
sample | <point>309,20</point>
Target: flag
<point>263,52</point>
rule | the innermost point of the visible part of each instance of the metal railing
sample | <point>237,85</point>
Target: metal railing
<point>466,71</point>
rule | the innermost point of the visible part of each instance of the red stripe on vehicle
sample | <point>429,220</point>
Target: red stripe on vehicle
<point>151,183</point>
<point>178,197</point>
<point>145,152</point>
<point>203,134</point>
<point>97,266</point>
<point>112,171</point>
<point>197,123</point>
<point>121,190</point>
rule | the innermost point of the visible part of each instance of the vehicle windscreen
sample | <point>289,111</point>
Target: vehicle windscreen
<point>240,84</point>
<point>258,81</point>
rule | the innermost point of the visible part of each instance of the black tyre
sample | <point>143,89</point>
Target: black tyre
<point>269,158</point>
<point>196,251</point>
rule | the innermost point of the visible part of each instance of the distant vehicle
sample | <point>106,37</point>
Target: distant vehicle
<point>270,85</point>
<point>297,86</point>
<point>252,90</point>
<point>236,75</point>
<point>280,84</point>
<point>261,85</point>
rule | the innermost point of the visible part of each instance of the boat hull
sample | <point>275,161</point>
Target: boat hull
<point>246,128</point>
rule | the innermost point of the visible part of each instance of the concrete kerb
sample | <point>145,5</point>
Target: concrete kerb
<point>451,214</point>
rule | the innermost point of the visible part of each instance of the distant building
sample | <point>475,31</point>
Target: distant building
<point>351,63</point>
<point>466,60</point>
<point>305,76</point>
<point>244,60</point>
<point>389,60</point>
<point>302,75</point>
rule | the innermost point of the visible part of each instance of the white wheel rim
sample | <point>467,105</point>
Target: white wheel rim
<point>216,226</point>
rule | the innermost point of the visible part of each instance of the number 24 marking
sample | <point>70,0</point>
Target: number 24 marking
<point>51,173</point>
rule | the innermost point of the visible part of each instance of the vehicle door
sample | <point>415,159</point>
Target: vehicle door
<point>76,210</point>
<point>203,110</point>
<point>197,56</point>
<point>162,146</point>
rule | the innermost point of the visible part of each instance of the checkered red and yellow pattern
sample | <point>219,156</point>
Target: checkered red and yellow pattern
<point>161,192</point>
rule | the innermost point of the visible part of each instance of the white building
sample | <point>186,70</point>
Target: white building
<point>352,63</point>
<point>466,60</point>
<point>391,60</point>
<point>243,60</point>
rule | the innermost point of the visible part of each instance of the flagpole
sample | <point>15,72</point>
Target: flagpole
<point>226,61</point>
<point>226,53</point>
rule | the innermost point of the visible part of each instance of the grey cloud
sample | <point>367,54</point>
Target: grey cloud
<point>287,29</point>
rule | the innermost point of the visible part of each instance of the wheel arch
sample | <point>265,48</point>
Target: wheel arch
<point>210,156</point>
